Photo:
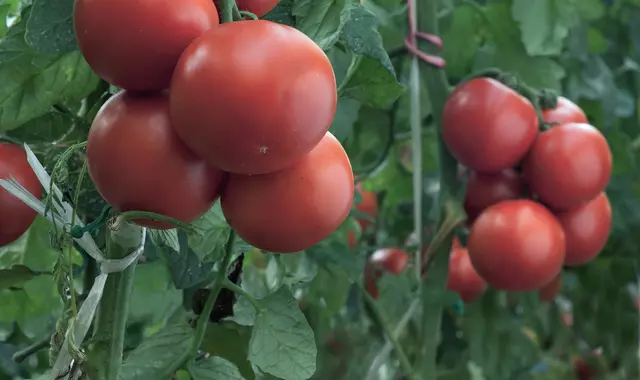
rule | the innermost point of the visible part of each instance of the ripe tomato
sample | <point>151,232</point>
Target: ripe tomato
<point>463,278</point>
<point>253,105</point>
<point>488,126</point>
<point>486,189</point>
<point>548,292</point>
<point>517,245</point>
<point>586,229</point>
<point>135,45</point>
<point>137,161</point>
<point>393,260</point>
<point>15,216</point>
<point>369,206</point>
<point>293,209</point>
<point>257,7</point>
<point>566,111</point>
<point>371,275</point>
<point>568,165</point>
<point>582,369</point>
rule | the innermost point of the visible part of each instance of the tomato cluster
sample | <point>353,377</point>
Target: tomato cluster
<point>238,111</point>
<point>535,199</point>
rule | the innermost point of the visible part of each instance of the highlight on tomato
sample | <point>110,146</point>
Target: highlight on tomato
<point>463,278</point>
<point>392,260</point>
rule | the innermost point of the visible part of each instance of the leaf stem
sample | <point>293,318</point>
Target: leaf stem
<point>353,67</point>
<point>227,10</point>
<point>21,355</point>
<point>132,215</point>
<point>238,290</point>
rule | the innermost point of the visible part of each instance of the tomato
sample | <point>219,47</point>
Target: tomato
<point>138,162</point>
<point>293,209</point>
<point>392,260</point>
<point>568,165</point>
<point>371,275</point>
<point>257,7</point>
<point>253,105</point>
<point>548,292</point>
<point>455,244</point>
<point>586,229</point>
<point>368,205</point>
<point>487,126</point>
<point>517,245</point>
<point>582,369</point>
<point>566,111</point>
<point>463,278</point>
<point>486,189</point>
<point>135,45</point>
<point>15,216</point>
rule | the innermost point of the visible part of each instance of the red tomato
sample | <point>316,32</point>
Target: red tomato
<point>486,189</point>
<point>135,45</point>
<point>488,126</point>
<point>455,244</point>
<point>566,111</point>
<point>371,275</point>
<point>586,229</point>
<point>548,292</point>
<point>253,105</point>
<point>463,278</point>
<point>137,161</point>
<point>582,369</point>
<point>568,165</point>
<point>517,245</point>
<point>257,7</point>
<point>293,209</point>
<point>392,260</point>
<point>15,216</point>
<point>369,206</point>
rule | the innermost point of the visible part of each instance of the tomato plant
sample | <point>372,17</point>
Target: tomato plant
<point>271,105</point>
<point>556,165</point>
<point>15,216</point>
<point>517,245</point>
<point>565,111</point>
<point>137,161</point>
<point>136,45</point>
<point>486,189</point>
<point>463,278</point>
<point>488,126</point>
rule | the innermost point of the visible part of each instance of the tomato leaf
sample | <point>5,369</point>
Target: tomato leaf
<point>374,82</point>
<point>460,40</point>
<point>153,358</point>
<point>321,20</point>
<point>50,27</point>
<point>215,233</point>
<point>33,82</point>
<point>282,343</point>
<point>282,13</point>
<point>167,238</point>
<point>16,276</point>
<point>214,368</point>
<point>544,24</point>
<point>186,267</point>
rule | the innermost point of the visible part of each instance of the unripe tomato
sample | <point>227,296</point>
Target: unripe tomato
<point>15,216</point>
<point>568,165</point>
<point>257,7</point>
<point>137,161</point>
<point>486,189</point>
<point>488,126</point>
<point>369,206</point>
<point>517,245</point>
<point>253,97</point>
<point>293,209</point>
<point>392,260</point>
<point>566,111</point>
<point>135,45</point>
<point>463,278</point>
<point>586,230</point>
<point>548,292</point>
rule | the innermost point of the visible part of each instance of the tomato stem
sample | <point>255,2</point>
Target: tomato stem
<point>132,215</point>
<point>247,14</point>
<point>227,10</point>
<point>241,292</point>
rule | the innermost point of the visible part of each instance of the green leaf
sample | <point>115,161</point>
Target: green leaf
<point>153,296</point>
<point>544,24</point>
<point>321,20</point>
<point>186,268</point>
<point>33,82</point>
<point>4,12</point>
<point>282,342</point>
<point>214,368</point>
<point>50,27</point>
<point>460,38</point>
<point>46,128</point>
<point>346,116</point>
<point>166,238</point>
<point>282,13</point>
<point>215,233</point>
<point>156,355</point>
<point>16,276</point>
<point>373,80</point>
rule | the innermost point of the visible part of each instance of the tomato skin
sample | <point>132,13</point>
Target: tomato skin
<point>548,292</point>
<point>135,45</point>
<point>568,165</point>
<point>586,229</point>
<point>517,245</point>
<point>487,126</point>
<point>15,216</point>
<point>486,189</point>
<point>392,260</point>
<point>138,162</point>
<point>369,206</point>
<point>253,105</point>
<point>257,7</point>
<point>566,111</point>
<point>293,209</point>
<point>463,278</point>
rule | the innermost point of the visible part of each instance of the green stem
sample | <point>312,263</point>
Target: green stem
<point>248,14</point>
<point>239,291</point>
<point>104,354</point>
<point>21,355</point>
<point>434,282</point>
<point>132,215</point>
<point>353,67</point>
<point>227,10</point>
